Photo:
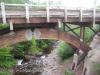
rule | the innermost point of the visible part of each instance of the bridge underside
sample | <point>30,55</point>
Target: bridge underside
<point>45,33</point>
<point>38,20</point>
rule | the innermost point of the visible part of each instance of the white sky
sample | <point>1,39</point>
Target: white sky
<point>79,3</point>
<point>76,3</point>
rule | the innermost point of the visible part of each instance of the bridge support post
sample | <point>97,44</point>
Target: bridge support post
<point>63,26</point>
<point>3,13</point>
<point>82,30</point>
<point>78,55</point>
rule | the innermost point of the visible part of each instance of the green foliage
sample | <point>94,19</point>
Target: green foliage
<point>7,62</point>
<point>3,26</point>
<point>67,72</point>
<point>20,48</point>
<point>5,52</point>
<point>65,51</point>
<point>5,73</point>
<point>97,68</point>
<point>34,49</point>
<point>15,1</point>
<point>30,47</point>
<point>88,34</point>
<point>38,46</point>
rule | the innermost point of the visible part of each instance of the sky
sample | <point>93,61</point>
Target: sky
<point>76,3</point>
<point>79,3</point>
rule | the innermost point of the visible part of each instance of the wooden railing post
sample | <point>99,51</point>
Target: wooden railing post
<point>65,14</point>
<point>48,11</point>
<point>81,15</point>
<point>94,16</point>
<point>27,12</point>
<point>3,13</point>
<point>94,13</point>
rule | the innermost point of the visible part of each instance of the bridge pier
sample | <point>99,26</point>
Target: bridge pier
<point>78,56</point>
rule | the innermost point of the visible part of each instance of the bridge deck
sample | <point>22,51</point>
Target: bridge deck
<point>23,13</point>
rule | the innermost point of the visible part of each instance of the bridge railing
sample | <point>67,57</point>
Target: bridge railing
<point>29,10</point>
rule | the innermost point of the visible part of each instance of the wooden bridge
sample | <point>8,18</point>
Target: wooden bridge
<point>28,13</point>
<point>23,15</point>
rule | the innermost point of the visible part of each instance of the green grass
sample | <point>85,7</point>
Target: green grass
<point>5,72</point>
<point>3,26</point>
<point>7,62</point>
<point>6,59</point>
<point>65,51</point>
<point>5,52</point>
<point>97,68</point>
<point>67,72</point>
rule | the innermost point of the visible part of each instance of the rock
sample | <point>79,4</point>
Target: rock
<point>34,67</point>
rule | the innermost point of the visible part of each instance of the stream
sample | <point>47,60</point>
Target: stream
<point>48,64</point>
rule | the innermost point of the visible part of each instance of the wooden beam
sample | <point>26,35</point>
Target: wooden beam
<point>94,31</point>
<point>71,30</point>
<point>3,13</point>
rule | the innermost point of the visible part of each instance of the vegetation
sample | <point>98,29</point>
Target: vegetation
<point>88,34</point>
<point>4,52</point>
<point>5,72</point>
<point>39,45</point>
<point>97,68</point>
<point>3,26</point>
<point>19,49</point>
<point>33,47</point>
<point>15,1</point>
<point>65,51</point>
<point>67,72</point>
<point>6,61</point>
